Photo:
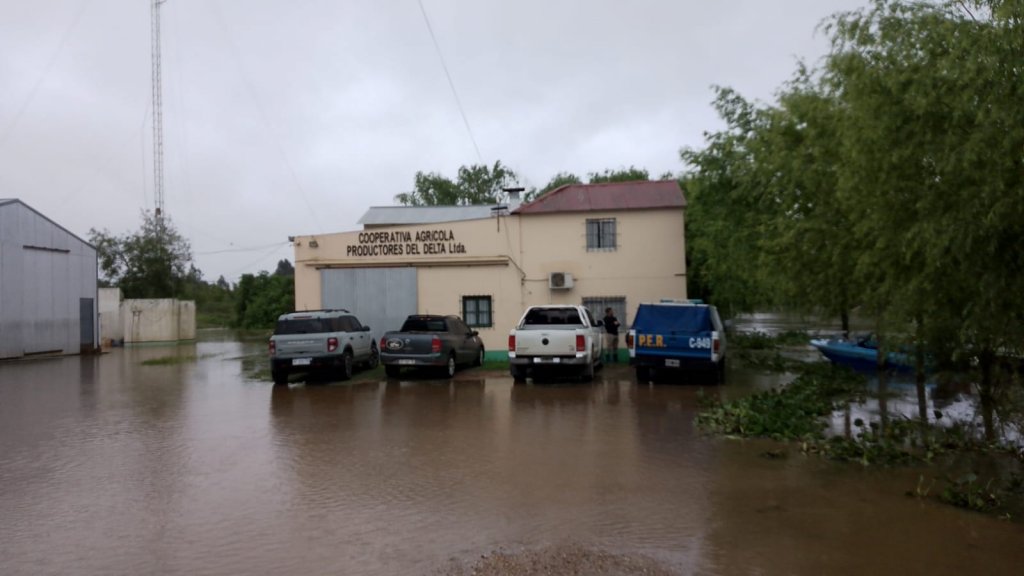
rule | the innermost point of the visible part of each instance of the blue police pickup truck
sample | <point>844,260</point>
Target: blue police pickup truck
<point>676,336</point>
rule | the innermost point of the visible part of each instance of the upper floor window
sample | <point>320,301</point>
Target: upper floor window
<point>601,234</point>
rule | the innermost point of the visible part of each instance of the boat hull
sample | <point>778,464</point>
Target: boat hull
<point>860,358</point>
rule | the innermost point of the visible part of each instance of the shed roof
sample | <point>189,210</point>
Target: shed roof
<point>6,201</point>
<point>610,196</point>
<point>398,215</point>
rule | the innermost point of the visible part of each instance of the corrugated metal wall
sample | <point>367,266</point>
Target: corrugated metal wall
<point>45,272</point>
<point>380,297</point>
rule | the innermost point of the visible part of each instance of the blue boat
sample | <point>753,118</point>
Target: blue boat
<point>861,354</point>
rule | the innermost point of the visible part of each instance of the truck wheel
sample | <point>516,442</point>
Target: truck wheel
<point>449,368</point>
<point>391,370</point>
<point>479,358</point>
<point>720,372</point>
<point>346,365</point>
<point>280,377</point>
<point>518,374</point>
<point>374,358</point>
<point>588,373</point>
<point>643,374</point>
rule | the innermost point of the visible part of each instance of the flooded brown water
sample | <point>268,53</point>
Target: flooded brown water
<point>109,466</point>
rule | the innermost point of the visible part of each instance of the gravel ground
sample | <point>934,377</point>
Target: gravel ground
<point>570,559</point>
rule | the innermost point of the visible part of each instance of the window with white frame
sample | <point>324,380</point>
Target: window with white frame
<point>476,311</point>
<point>601,234</point>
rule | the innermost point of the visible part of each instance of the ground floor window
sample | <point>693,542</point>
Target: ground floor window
<point>598,304</point>
<point>476,311</point>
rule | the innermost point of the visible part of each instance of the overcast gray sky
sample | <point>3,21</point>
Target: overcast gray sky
<point>293,117</point>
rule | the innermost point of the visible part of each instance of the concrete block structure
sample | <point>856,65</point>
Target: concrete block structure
<point>111,326</point>
<point>48,286</point>
<point>158,320</point>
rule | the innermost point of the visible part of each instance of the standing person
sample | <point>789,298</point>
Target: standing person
<point>611,336</point>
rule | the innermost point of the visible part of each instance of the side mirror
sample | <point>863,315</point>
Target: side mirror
<point>473,333</point>
<point>366,328</point>
<point>600,323</point>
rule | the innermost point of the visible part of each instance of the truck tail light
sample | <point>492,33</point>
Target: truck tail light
<point>332,344</point>
<point>435,345</point>
<point>629,340</point>
<point>511,342</point>
<point>273,348</point>
<point>581,343</point>
<point>383,343</point>
<point>715,345</point>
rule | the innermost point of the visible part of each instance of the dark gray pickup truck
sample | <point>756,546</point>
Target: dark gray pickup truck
<point>443,342</point>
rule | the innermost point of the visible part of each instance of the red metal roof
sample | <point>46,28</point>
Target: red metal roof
<point>612,196</point>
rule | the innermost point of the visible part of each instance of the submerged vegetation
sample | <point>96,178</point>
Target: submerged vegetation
<point>800,413</point>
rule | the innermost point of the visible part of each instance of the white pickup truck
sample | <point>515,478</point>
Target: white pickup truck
<point>554,339</point>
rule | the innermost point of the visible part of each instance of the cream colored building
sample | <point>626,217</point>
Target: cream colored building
<point>600,245</point>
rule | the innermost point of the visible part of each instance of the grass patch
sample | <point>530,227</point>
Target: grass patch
<point>495,365</point>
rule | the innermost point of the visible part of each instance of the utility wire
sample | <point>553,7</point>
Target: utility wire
<point>235,54</point>
<point>451,83</point>
<point>42,76</point>
<point>249,249</point>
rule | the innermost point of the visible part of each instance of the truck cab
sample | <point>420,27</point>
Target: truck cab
<point>676,336</point>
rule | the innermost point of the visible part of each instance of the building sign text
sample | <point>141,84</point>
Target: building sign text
<point>429,242</point>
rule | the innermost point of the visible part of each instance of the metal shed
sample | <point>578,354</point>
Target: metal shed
<point>48,286</point>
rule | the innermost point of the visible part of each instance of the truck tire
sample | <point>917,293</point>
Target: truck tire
<point>392,371</point>
<point>449,367</point>
<point>280,377</point>
<point>643,374</point>
<point>346,365</point>
<point>720,372</point>
<point>479,358</point>
<point>518,374</point>
<point>374,358</point>
<point>588,373</point>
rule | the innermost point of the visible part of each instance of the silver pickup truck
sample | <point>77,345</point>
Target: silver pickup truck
<point>443,342</point>
<point>555,339</point>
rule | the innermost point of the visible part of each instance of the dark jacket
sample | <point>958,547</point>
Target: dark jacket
<point>611,325</point>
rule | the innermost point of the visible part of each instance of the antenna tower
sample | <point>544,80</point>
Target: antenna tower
<point>158,115</point>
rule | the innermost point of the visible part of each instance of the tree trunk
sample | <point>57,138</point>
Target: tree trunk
<point>985,389</point>
<point>920,376</point>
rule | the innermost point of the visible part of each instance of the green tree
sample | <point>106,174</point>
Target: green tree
<point>284,268</point>
<point>474,184</point>
<point>153,262</point>
<point>630,174</point>
<point>933,170</point>
<point>556,181</point>
<point>726,212</point>
<point>806,240</point>
<point>261,298</point>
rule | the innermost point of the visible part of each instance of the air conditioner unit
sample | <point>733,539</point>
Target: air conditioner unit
<point>560,281</point>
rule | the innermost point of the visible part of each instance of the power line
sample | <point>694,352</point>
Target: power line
<point>249,249</point>
<point>451,83</point>
<point>42,76</point>
<point>262,113</point>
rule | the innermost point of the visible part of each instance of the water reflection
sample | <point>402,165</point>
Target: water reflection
<point>111,466</point>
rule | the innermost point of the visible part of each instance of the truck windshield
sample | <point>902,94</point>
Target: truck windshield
<point>424,325</point>
<point>552,317</point>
